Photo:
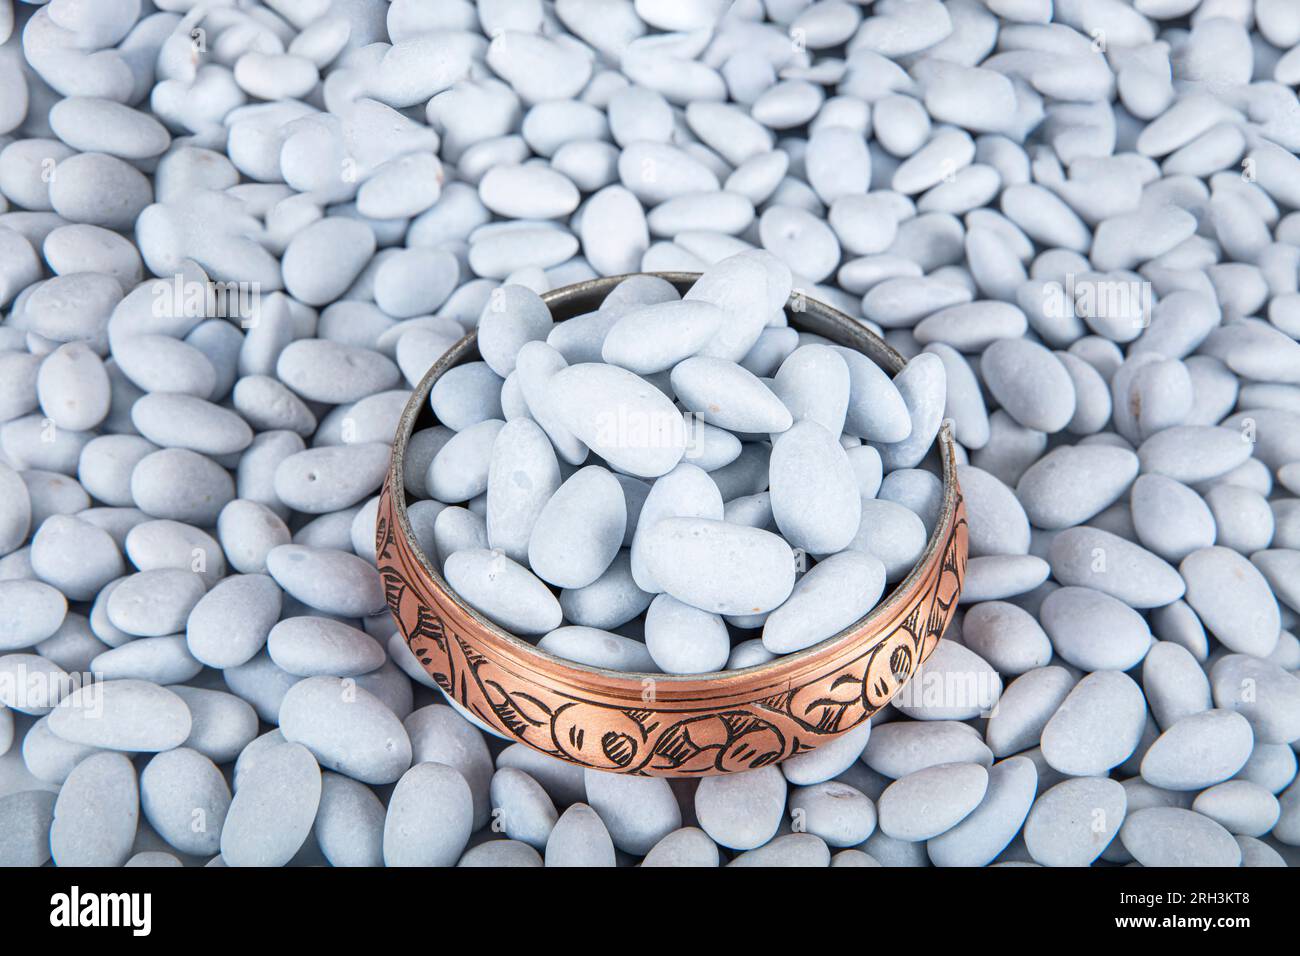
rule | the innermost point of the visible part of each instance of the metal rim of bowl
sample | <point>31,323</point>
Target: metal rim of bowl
<point>802,311</point>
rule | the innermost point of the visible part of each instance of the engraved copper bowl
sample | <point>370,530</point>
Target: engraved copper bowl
<point>657,724</point>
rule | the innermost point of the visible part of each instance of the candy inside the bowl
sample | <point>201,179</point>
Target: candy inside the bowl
<point>649,485</point>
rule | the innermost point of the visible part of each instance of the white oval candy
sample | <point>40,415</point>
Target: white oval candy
<point>719,567</point>
<point>522,476</point>
<point>727,395</point>
<point>502,590</point>
<point>579,529</point>
<point>130,715</point>
<point>685,640</point>
<point>814,490</point>
<point>273,808</point>
<point>657,337</point>
<point>347,728</point>
<point>597,648</point>
<point>620,416</point>
<point>828,598</point>
<point>311,646</point>
<point>96,814</point>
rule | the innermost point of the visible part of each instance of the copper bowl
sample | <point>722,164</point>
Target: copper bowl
<point>657,724</point>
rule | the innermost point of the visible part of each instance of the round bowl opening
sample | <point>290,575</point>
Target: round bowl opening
<point>804,314</point>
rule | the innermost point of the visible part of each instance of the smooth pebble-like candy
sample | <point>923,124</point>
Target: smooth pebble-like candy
<point>130,715</point>
<point>321,261</point>
<point>523,809</point>
<point>1261,691</point>
<point>579,529</point>
<point>503,590</point>
<point>922,384</point>
<point>813,382</point>
<point>326,579</point>
<point>639,811</point>
<point>1097,726</point>
<point>562,780</point>
<point>929,802</point>
<point>831,759</point>
<point>1240,806</point>
<point>689,846</point>
<point>1007,636</point>
<point>729,396</point>
<point>322,370</point>
<point>347,728</point>
<point>321,480</point>
<point>1071,484</point>
<point>461,469</point>
<point>514,316</point>
<point>685,491</point>
<point>610,601</point>
<point>182,485</point>
<point>986,831</point>
<point>741,810</point>
<point>24,836</point>
<point>441,735</point>
<point>719,567</point>
<point>828,598</point>
<point>838,813</point>
<point>15,509</point>
<point>230,623</point>
<point>311,646</point>
<point>34,611</point>
<point>814,491</point>
<point>221,724</point>
<point>273,808</point>
<point>96,814</point>
<point>877,410</point>
<point>579,838</point>
<point>899,748</point>
<point>1170,519</point>
<point>1074,821</point>
<point>1094,631</point>
<point>954,683</point>
<point>1232,599</point>
<point>1198,750</point>
<point>248,531</point>
<point>801,850</point>
<point>890,533</point>
<point>1174,683</point>
<point>685,640</point>
<point>997,521</point>
<point>620,416</point>
<point>1030,383</point>
<point>1093,558</point>
<point>185,798</point>
<point>1173,836</point>
<point>501,853</point>
<point>1192,453</point>
<point>656,337</point>
<point>597,648</point>
<point>522,476</point>
<point>466,395</point>
<point>349,826</point>
<point>162,660</point>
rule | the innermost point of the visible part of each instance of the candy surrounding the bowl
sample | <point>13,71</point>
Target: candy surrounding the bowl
<point>1080,217</point>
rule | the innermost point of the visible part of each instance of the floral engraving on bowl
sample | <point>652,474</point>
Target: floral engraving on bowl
<point>712,729</point>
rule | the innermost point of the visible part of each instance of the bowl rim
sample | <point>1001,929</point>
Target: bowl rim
<point>566,302</point>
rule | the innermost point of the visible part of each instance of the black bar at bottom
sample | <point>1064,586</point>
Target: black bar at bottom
<point>885,906</point>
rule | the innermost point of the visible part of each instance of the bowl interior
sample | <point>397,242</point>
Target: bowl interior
<point>805,314</point>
